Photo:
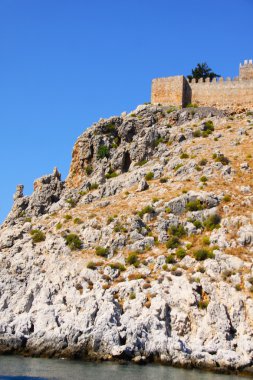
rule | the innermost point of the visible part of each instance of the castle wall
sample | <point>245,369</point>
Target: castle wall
<point>171,91</point>
<point>223,93</point>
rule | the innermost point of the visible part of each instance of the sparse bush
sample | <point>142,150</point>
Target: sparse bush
<point>196,133</point>
<point>203,304</point>
<point>227,198</point>
<point>158,141</point>
<point>178,231</point>
<point>37,236</point>
<point>132,258</point>
<point>203,179</point>
<point>221,158</point>
<point>93,186</point>
<point>102,251</point>
<point>203,254</point>
<point>132,296</point>
<point>149,176</point>
<point>163,180</point>
<point>212,222</point>
<point>109,128</point>
<point>197,224</point>
<point>67,217</point>
<point>146,210</point>
<point>91,265</point>
<point>238,287</point>
<point>88,170</point>
<point>194,205</point>
<point>203,162</point>
<point>173,242</point>
<point>73,241</point>
<point>181,253</point>
<point>118,266</point>
<point>206,240</point>
<point>141,163</point>
<point>184,155</point>
<point>111,174</point>
<point>58,226</point>
<point>77,221</point>
<point>71,202</point>
<point>103,151</point>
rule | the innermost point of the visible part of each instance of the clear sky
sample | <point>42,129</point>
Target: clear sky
<point>66,63</point>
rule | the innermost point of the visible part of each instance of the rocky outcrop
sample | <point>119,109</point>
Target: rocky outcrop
<point>144,253</point>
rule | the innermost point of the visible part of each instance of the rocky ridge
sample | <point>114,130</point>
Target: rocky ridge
<point>144,252</point>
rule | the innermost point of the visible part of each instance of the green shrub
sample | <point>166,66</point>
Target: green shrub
<point>118,266</point>
<point>58,226</point>
<point>103,151</point>
<point>111,174</point>
<point>132,296</point>
<point>224,160</point>
<point>102,251</point>
<point>93,186</point>
<point>181,253</point>
<point>203,304</point>
<point>89,170</point>
<point>91,265</point>
<point>194,205</point>
<point>227,198</point>
<point>178,231</point>
<point>206,240</point>
<point>71,202</point>
<point>173,242</point>
<point>184,155</point>
<point>141,163</point>
<point>158,141</point>
<point>110,219</point>
<point>203,162</point>
<point>78,221</point>
<point>146,210</point>
<point>67,217</point>
<point>170,259</point>
<point>163,180</point>
<point>132,259</point>
<point>203,254</point>
<point>73,241</point>
<point>203,179</point>
<point>197,133</point>
<point>238,287</point>
<point>178,166</point>
<point>192,105</point>
<point>168,210</point>
<point>197,224</point>
<point>37,236</point>
<point>149,176</point>
<point>212,222</point>
<point>109,128</point>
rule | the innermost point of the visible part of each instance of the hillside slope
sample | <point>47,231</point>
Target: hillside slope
<point>145,252</point>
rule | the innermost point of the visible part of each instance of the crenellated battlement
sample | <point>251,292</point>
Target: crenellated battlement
<point>219,92</point>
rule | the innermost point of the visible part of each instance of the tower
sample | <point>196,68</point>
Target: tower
<point>246,70</point>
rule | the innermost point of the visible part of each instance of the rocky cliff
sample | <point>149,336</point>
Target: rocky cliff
<point>144,252</point>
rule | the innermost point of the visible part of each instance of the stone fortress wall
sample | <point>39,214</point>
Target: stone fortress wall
<point>178,91</point>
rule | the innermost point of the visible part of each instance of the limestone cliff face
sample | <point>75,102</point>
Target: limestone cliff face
<point>145,252</point>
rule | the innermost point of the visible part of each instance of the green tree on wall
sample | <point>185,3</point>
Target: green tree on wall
<point>202,70</point>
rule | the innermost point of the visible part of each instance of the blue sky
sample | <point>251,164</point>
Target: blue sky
<point>66,63</point>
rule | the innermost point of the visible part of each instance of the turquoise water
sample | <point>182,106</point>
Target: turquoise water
<point>19,368</point>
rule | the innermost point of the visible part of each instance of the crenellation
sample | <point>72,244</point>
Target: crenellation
<point>218,92</point>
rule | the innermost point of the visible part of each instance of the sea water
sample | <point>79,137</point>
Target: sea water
<point>19,368</point>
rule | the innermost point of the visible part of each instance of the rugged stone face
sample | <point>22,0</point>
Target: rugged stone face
<point>145,253</point>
